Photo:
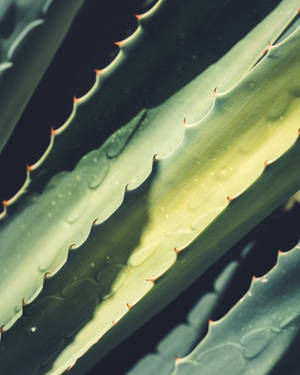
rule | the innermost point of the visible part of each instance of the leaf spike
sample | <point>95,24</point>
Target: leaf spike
<point>215,91</point>
<point>76,100</point>
<point>266,163</point>
<point>98,72</point>
<point>267,48</point>
<point>5,203</point>
<point>72,246</point>
<point>176,250</point>
<point>114,323</point>
<point>28,167</point>
<point>2,330</point>
<point>279,252</point>
<point>138,16</point>
<point>23,302</point>
<point>298,11</point>
<point>52,131</point>
<point>155,157</point>
<point>129,306</point>
<point>126,188</point>
<point>210,322</point>
<point>94,222</point>
<point>72,365</point>
<point>119,43</point>
<point>254,278</point>
<point>177,359</point>
<point>47,275</point>
<point>299,132</point>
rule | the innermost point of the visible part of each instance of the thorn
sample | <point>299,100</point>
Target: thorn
<point>254,278</point>
<point>94,222</point>
<point>52,131</point>
<point>98,72</point>
<point>126,188</point>
<point>23,302</point>
<point>28,167</point>
<point>129,306</point>
<point>5,203</point>
<point>155,156</point>
<point>46,275</point>
<point>119,43</point>
<point>267,48</point>
<point>185,123</point>
<point>298,11</point>
<point>229,198</point>
<point>114,323</point>
<point>266,163</point>
<point>72,246</point>
<point>299,131</point>
<point>176,250</point>
<point>72,365</point>
<point>2,330</point>
<point>75,100</point>
<point>279,252</point>
<point>215,91</point>
<point>177,359</point>
<point>152,279</point>
<point>210,322</point>
<point>138,16</point>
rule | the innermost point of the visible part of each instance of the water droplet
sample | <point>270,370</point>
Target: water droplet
<point>72,217</point>
<point>33,329</point>
<point>95,181</point>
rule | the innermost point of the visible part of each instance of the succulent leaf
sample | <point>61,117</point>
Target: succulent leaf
<point>30,33</point>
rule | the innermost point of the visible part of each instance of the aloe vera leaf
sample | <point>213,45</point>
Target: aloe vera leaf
<point>192,51</point>
<point>179,341</point>
<point>227,234</point>
<point>75,216</point>
<point>30,32</point>
<point>257,332</point>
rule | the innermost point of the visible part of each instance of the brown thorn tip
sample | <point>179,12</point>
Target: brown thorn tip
<point>229,198</point>
<point>129,306</point>
<point>151,279</point>
<point>71,246</point>
<point>75,100</point>
<point>184,122</point>
<point>299,131</point>
<point>254,278</point>
<point>28,167</point>
<point>138,16</point>
<point>23,302</point>
<point>279,252</point>
<point>176,359</point>
<point>2,329</point>
<point>94,222</point>
<point>266,163</point>
<point>98,71</point>
<point>298,10</point>
<point>176,250</point>
<point>126,188</point>
<point>210,322</point>
<point>113,322</point>
<point>119,43</point>
<point>46,275</point>
<point>52,131</point>
<point>215,91</point>
<point>155,156</point>
<point>5,203</point>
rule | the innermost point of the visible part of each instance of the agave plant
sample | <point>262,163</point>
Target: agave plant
<point>171,157</point>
